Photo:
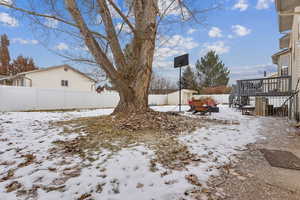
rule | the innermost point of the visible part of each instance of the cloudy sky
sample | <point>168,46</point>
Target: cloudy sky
<point>243,32</point>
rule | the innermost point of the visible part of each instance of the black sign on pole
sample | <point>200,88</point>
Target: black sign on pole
<point>179,62</point>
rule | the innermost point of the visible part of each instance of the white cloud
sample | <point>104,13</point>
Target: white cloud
<point>191,31</point>
<point>8,20</point>
<point>241,5</point>
<point>215,32</point>
<point>61,46</point>
<point>178,41</point>
<point>219,47</point>
<point>171,7</point>
<point>240,30</point>
<point>8,2</point>
<point>24,41</point>
<point>51,23</point>
<point>230,36</point>
<point>264,4</point>
<point>252,71</point>
<point>170,46</point>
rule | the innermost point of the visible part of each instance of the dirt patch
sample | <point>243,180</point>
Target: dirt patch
<point>249,176</point>
<point>13,186</point>
<point>84,196</point>
<point>60,110</point>
<point>193,179</point>
<point>8,175</point>
<point>29,159</point>
<point>157,131</point>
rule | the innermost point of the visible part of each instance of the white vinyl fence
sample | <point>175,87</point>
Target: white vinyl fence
<point>219,98</point>
<point>27,98</point>
<point>158,99</point>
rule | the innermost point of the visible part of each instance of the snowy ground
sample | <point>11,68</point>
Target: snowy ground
<point>124,175</point>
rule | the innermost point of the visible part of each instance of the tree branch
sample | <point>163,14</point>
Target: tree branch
<point>111,34</point>
<point>100,57</point>
<point>125,18</point>
<point>49,17</point>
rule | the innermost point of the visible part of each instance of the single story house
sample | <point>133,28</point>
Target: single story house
<point>186,95</point>
<point>62,76</point>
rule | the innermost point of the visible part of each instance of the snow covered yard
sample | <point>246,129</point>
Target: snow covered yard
<point>30,170</point>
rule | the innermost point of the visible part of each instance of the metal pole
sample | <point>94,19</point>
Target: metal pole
<point>179,89</point>
<point>290,103</point>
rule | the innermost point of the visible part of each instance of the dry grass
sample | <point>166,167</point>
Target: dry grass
<point>155,130</point>
<point>29,159</point>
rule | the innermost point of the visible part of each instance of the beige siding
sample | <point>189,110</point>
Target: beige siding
<point>295,45</point>
<point>186,95</point>
<point>52,79</point>
<point>295,54</point>
<point>284,60</point>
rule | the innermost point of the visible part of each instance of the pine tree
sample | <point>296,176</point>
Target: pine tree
<point>188,79</point>
<point>4,55</point>
<point>211,71</point>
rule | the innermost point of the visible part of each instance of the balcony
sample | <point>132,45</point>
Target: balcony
<point>275,86</point>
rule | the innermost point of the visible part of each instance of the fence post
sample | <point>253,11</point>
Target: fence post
<point>290,103</point>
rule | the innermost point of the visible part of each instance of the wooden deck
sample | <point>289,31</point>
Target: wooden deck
<point>275,86</point>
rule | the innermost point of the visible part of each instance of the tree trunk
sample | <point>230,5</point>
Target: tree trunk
<point>139,57</point>
<point>134,98</point>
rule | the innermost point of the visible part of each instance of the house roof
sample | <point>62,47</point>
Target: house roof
<point>185,90</point>
<point>2,78</point>
<point>276,55</point>
<point>161,91</point>
<point>56,67</point>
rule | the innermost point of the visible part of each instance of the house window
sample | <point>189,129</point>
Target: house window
<point>64,83</point>
<point>22,82</point>
<point>284,71</point>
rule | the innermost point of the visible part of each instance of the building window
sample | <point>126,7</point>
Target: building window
<point>64,83</point>
<point>284,71</point>
<point>22,82</point>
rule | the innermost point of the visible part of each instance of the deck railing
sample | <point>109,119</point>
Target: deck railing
<point>275,86</point>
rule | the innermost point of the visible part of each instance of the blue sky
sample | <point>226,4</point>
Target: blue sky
<point>244,33</point>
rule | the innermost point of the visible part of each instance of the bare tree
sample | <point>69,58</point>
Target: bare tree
<point>120,39</point>
<point>161,85</point>
<point>22,64</point>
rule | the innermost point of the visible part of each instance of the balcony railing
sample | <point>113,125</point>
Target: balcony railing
<point>275,86</point>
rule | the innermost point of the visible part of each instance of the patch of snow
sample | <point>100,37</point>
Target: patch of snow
<point>218,143</point>
<point>122,175</point>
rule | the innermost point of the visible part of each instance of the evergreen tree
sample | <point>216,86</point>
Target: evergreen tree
<point>4,55</point>
<point>188,79</point>
<point>211,71</point>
